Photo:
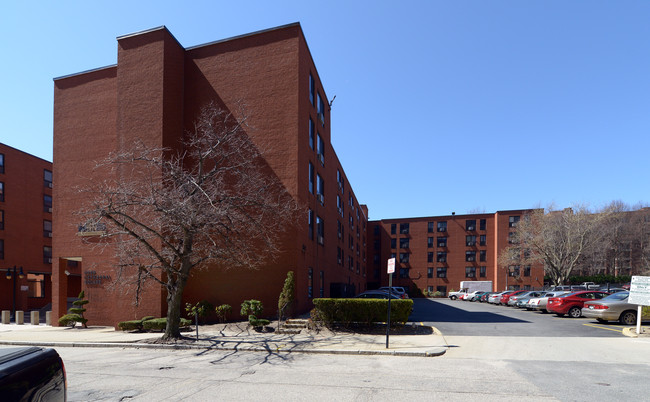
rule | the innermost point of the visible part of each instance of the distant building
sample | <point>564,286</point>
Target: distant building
<point>154,93</point>
<point>437,253</point>
<point>25,231</point>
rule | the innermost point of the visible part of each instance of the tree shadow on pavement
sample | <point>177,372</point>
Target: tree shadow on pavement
<point>427,310</point>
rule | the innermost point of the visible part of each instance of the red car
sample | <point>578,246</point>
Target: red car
<point>572,303</point>
<point>504,299</point>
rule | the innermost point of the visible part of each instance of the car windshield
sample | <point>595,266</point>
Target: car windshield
<point>617,296</point>
<point>568,294</point>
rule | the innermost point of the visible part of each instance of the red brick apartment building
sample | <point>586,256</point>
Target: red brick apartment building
<point>25,230</point>
<point>154,93</point>
<point>437,253</point>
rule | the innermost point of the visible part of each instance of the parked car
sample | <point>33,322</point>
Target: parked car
<point>504,298</point>
<point>376,294</point>
<point>522,300</point>
<point>477,296</point>
<point>32,374</point>
<point>613,308</point>
<point>398,290</point>
<point>470,296</point>
<point>495,298</point>
<point>485,296</point>
<point>572,303</point>
<point>539,303</point>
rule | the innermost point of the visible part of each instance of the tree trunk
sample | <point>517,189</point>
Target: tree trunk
<point>172,331</point>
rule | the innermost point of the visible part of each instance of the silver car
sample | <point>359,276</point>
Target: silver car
<point>613,308</point>
<point>539,303</point>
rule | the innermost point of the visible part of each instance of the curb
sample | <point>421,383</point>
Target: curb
<point>439,351</point>
<point>631,332</point>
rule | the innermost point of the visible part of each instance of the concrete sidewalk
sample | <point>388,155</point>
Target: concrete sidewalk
<point>432,344</point>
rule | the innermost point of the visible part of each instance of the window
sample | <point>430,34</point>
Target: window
<point>470,272</point>
<point>339,205</point>
<point>442,226</point>
<point>430,256</point>
<point>470,256</point>
<point>322,284</point>
<point>441,272</point>
<point>2,249</point>
<point>404,273</point>
<point>483,271</point>
<point>512,238</point>
<point>36,285</point>
<point>321,109</point>
<point>311,133</point>
<point>375,245</point>
<point>351,224</point>
<point>470,225</point>
<point>404,228</point>
<point>430,227</point>
<point>320,229</point>
<point>312,89</point>
<point>392,255</point>
<point>375,230</point>
<point>403,243</point>
<point>513,220</point>
<point>320,189</point>
<point>441,256</point>
<point>311,178</point>
<point>482,255</point>
<point>339,179</point>
<point>2,191</point>
<point>429,272</point>
<point>339,229</point>
<point>393,228</point>
<point>310,283</point>
<point>442,290</point>
<point>404,258</point>
<point>470,240</point>
<point>442,242</point>
<point>2,163</point>
<point>311,224</point>
<point>429,242</point>
<point>47,255</point>
<point>513,270</point>
<point>47,178</point>
<point>47,228</point>
<point>320,149</point>
<point>482,224</point>
<point>339,257</point>
<point>2,219</point>
<point>527,270</point>
<point>47,203</point>
<point>483,240</point>
<point>376,259</point>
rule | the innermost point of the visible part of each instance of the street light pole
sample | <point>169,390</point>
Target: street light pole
<point>11,274</point>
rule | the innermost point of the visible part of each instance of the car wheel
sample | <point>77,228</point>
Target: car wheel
<point>600,320</point>
<point>575,312</point>
<point>544,311</point>
<point>628,318</point>
<point>453,297</point>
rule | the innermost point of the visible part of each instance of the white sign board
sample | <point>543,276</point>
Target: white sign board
<point>391,265</point>
<point>640,291</point>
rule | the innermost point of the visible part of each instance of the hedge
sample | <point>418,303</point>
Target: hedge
<point>364,311</point>
<point>149,323</point>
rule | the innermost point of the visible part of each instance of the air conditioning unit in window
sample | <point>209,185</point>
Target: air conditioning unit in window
<point>49,185</point>
<point>341,211</point>
<point>321,198</point>
<point>49,210</point>
<point>48,260</point>
<point>321,158</point>
<point>320,240</point>
<point>49,234</point>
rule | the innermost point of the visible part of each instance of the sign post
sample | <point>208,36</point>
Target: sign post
<point>639,294</point>
<point>391,270</point>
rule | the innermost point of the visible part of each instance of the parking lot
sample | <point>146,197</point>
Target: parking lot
<point>456,317</point>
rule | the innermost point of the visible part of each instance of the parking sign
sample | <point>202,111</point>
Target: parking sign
<point>391,265</point>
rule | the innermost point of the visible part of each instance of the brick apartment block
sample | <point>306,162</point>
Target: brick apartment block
<point>154,93</point>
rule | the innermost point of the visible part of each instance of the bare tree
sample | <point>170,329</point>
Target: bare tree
<point>560,240</point>
<point>213,201</point>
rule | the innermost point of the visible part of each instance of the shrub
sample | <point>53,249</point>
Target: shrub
<point>287,295</point>
<point>202,309</point>
<point>159,324</point>
<point>366,311</point>
<point>257,322</point>
<point>134,325</point>
<point>223,311</point>
<point>251,307</point>
<point>69,320</point>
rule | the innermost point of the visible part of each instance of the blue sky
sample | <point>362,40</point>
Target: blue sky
<point>440,106</point>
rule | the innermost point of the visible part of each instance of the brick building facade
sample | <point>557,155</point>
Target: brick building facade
<point>25,230</point>
<point>437,253</point>
<point>153,94</point>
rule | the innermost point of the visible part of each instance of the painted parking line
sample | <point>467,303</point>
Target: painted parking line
<point>609,328</point>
